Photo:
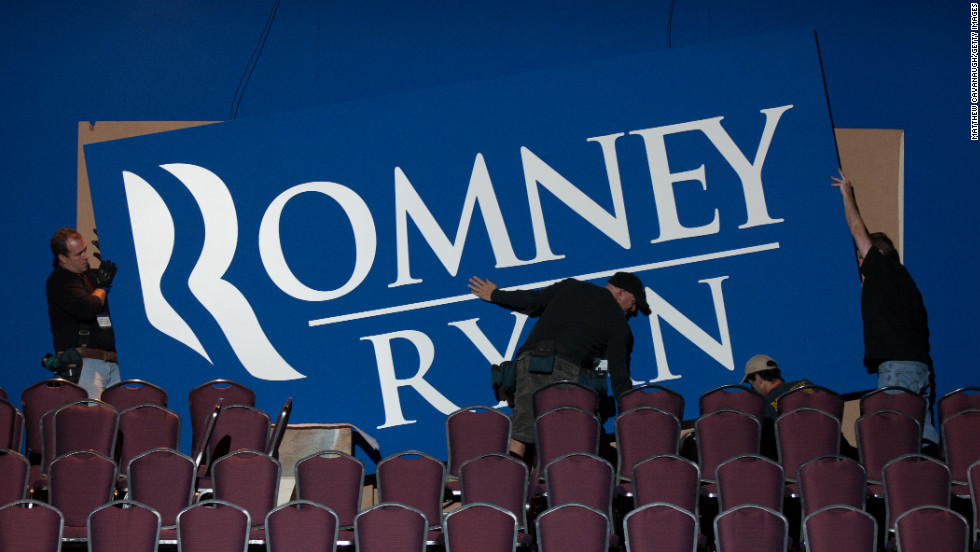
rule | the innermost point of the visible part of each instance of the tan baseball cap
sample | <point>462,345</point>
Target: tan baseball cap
<point>758,363</point>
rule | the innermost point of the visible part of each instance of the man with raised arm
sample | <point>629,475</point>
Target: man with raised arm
<point>896,330</point>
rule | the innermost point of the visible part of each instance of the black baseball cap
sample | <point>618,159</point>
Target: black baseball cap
<point>631,283</point>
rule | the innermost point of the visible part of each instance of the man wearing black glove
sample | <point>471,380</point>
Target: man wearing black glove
<point>78,309</point>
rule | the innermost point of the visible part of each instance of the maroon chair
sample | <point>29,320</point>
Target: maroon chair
<point>86,424</point>
<point>80,482</point>
<point>144,427</point>
<point>250,479</point>
<point>565,393</point>
<point>213,526</point>
<point>895,398</point>
<point>30,525</point>
<point>751,528</point>
<point>301,526</point>
<point>561,431</point>
<point>279,429</point>
<point>750,479</point>
<point>667,478</point>
<point>124,526</point>
<point>653,395</point>
<point>480,527</point>
<point>202,399</point>
<point>642,432</point>
<point>961,443</point>
<point>497,479</point>
<point>131,392</point>
<point>812,396</point>
<point>724,434</point>
<point>964,398</point>
<point>237,427</point>
<point>661,526</point>
<point>803,434</point>
<point>335,480</point>
<point>913,480</point>
<point>828,480</point>
<point>415,479</point>
<point>39,398</point>
<point>573,527</point>
<point>932,528</point>
<point>390,527</point>
<point>840,528</point>
<point>582,478</point>
<point>163,479</point>
<point>11,427</point>
<point>473,431</point>
<point>733,397</point>
<point>882,436</point>
<point>15,471</point>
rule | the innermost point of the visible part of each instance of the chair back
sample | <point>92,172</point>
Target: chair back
<point>415,479</point>
<point>964,398</point>
<point>14,481</point>
<point>882,436</point>
<point>80,482</point>
<point>653,395</point>
<point>333,479</point>
<point>573,527</point>
<point>582,478</point>
<point>914,480</point>
<point>163,479</point>
<point>895,398</point>
<point>805,433</point>
<point>751,528</point>
<point>812,396</point>
<point>733,397</point>
<point>238,427</point>
<point>145,427</point>
<point>961,442</point>
<point>11,426</point>
<point>498,479</point>
<point>643,432</point>
<point>472,431</point>
<point>828,480</point>
<point>750,479</point>
<point>124,526</point>
<point>250,479</point>
<point>30,525</point>
<point>301,526</point>
<point>40,398</point>
<point>213,526</point>
<point>661,526</point>
<point>202,399</point>
<point>724,434</point>
<point>931,528</point>
<point>561,431</point>
<point>390,527</point>
<point>131,392</point>
<point>86,424</point>
<point>565,393</point>
<point>839,527</point>
<point>480,526</point>
<point>667,478</point>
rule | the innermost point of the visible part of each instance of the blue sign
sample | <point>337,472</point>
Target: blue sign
<point>324,254</point>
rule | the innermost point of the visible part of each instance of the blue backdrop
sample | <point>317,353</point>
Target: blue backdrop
<point>323,254</point>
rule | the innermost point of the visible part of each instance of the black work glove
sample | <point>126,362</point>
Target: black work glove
<point>102,277</point>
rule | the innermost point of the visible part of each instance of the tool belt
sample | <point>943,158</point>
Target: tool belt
<point>99,354</point>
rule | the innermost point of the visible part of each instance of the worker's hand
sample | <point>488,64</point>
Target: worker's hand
<point>103,276</point>
<point>482,288</point>
<point>843,183</point>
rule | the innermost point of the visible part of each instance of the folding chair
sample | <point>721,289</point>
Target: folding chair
<point>249,479</point>
<point>279,429</point>
<point>840,528</point>
<point>39,398</point>
<point>803,434</point>
<point>961,444</point>
<point>202,399</point>
<point>642,432</point>
<point>473,431</point>
<point>573,527</point>
<point>812,396</point>
<point>80,482</point>
<point>15,471</point>
<point>751,528</point>
<point>11,427</point>
<point>653,395</point>
<point>144,427</point>
<point>123,526</point>
<point>661,526</point>
<point>131,392</point>
<point>913,480</point>
<point>829,480</point>
<point>163,479</point>
<point>301,526</point>
<point>724,434</point>
<point>480,526</point>
<point>415,479</point>
<point>213,526</point>
<point>964,398</point>
<point>565,393</point>
<point>30,525</point>
<point>733,397</point>
<point>582,478</point>
<point>932,528</point>
<point>561,431</point>
<point>882,436</point>
<point>750,479</point>
<point>501,480</point>
<point>390,527</point>
<point>335,480</point>
<point>667,478</point>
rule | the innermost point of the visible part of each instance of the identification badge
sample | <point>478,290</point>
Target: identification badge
<point>103,320</point>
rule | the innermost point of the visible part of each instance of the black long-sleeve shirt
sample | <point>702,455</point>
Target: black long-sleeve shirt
<point>71,305</point>
<point>583,319</point>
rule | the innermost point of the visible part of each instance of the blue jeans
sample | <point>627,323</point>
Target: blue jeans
<point>97,375</point>
<point>915,377</point>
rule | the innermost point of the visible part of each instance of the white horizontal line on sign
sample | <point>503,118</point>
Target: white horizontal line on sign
<point>591,276</point>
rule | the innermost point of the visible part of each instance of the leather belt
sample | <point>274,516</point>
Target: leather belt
<point>99,354</point>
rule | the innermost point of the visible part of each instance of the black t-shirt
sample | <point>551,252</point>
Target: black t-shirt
<point>71,306</point>
<point>895,321</point>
